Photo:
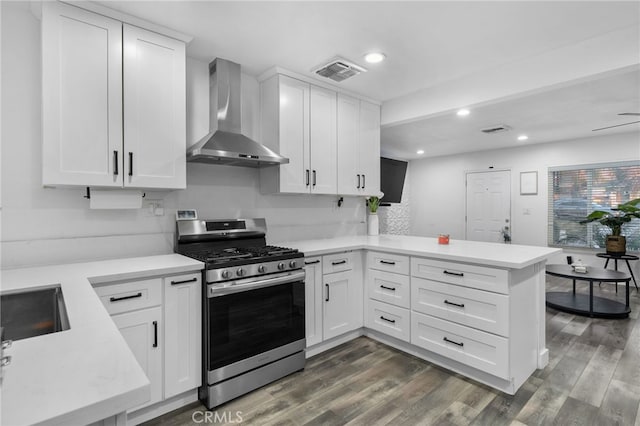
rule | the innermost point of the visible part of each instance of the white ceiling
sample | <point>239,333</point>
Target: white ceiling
<point>427,43</point>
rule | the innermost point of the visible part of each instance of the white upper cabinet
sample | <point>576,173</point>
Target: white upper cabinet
<point>101,80</point>
<point>299,122</point>
<point>82,97</point>
<point>358,147</point>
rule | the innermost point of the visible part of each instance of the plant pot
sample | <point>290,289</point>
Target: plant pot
<point>373,224</point>
<point>616,245</point>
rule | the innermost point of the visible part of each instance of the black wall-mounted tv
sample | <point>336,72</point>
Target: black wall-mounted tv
<point>392,174</point>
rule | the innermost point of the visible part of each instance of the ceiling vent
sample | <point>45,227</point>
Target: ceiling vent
<point>498,128</point>
<point>339,69</point>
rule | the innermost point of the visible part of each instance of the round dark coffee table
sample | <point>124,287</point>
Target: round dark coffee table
<point>581,304</point>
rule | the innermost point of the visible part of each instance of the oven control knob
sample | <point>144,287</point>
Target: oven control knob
<point>240,272</point>
<point>225,274</point>
<point>281,266</point>
<point>292,264</point>
<point>261,269</point>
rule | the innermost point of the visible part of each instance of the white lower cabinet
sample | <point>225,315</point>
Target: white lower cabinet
<point>388,319</point>
<point>161,321</point>
<point>337,314</point>
<point>313,300</point>
<point>142,331</point>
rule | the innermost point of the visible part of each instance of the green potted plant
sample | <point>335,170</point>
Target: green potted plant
<point>373,224</point>
<point>616,243</point>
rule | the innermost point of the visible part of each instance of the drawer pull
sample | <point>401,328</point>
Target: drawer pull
<point>455,343</point>
<point>118,299</point>
<point>327,299</point>
<point>459,305</point>
<point>386,262</point>
<point>388,288</point>
<point>339,262</point>
<point>194,279</point>
<point>313,262</point>
<point>457,274</point>
<point>387,320</point>
<point>155,334</point>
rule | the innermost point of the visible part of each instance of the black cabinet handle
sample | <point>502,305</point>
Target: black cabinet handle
<point>131,164</point>
<point>117,299</point>
<point>339,262</point>
<point>363,181</point>
<point>358,182</point>
<point>386,262</point>
<point>327,299</point>
<point>455,343</point>
<point>314,178</point>
<point>155,334</point>
<point>184,281</point>
<point>388,288</point>
<point>387,320</point>
<point>460,305</point>
<point>115,163</point>
<point>313,262</point>
<point>457,274</point>
<point>307,174</point>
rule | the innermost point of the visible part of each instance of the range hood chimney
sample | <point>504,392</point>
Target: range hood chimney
<point>225,143</point>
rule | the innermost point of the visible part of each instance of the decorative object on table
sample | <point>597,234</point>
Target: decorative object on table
<point>443,239</point>
<point>373,223</point>
<point>529,183</point>
<point>616,243</point>
<point>579,267</point>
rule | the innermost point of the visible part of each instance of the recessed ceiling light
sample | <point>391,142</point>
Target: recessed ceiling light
<point>463,112</point>
<point>374,57</point>
<point>523,137</point>
<point>420,151</point>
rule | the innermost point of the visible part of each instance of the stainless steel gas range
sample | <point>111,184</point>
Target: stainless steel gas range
<point>253,305</point>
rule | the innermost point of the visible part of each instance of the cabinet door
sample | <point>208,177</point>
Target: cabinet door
<point>154,110</point>
<point>142,332</point>
<point>81,97</point>
<point>295,177</point>
<point>369,148</point>
<point>349,177</point>
<point>313,300</point>
<point>323,141</point>
<point>183,334</point>
<point>337,316</point>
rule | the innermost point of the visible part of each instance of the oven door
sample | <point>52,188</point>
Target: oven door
<point>251,322</point>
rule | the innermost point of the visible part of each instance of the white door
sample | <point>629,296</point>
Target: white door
<point>183,334</point>
<point>81,97</point>
<point>323,141</point>
<point>369,148</point>
<point>349,177</point>
<point>488,205</point>
<point>142,332</point>
<point>154,110</point>
<point>337,313</point>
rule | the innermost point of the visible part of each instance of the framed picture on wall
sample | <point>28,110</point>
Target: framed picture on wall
<point>528,183</point>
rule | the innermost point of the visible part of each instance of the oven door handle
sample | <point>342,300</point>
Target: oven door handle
<point>251,284</point>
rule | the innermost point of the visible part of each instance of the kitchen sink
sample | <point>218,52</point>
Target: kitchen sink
<point>33,312</point>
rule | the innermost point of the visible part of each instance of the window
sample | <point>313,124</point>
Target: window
<point>576,191</point>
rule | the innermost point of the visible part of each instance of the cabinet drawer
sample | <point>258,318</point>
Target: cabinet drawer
<point>388,287</point>
<point>388,319</point>
<point>388,262</point>
<point>484,351</point>
<point>337,262</point>
<point>480,277</point>
<point>478,309</point>
<point>130,296</point>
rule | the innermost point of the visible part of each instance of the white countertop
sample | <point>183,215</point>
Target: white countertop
<point>507,256</point>
<point>86,373</point>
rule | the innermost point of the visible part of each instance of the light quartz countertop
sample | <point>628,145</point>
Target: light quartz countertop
<point>506,256</point>
<point>86,373</point>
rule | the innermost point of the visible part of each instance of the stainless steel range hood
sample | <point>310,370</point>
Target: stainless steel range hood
<point>225,143</point>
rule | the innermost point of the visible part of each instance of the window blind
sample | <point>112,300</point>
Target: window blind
<point>576,191</point>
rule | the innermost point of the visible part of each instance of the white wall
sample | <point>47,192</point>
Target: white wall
<point>54,225</point>
<point>438,184</point>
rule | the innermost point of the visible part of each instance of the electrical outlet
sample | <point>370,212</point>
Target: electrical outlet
<point>153,208</point>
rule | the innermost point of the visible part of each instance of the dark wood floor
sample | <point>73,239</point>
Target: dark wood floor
<point>593,378</point>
